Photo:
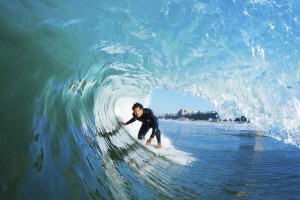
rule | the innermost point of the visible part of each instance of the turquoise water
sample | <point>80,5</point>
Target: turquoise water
<point>70,71</point>
<point>234,162</point>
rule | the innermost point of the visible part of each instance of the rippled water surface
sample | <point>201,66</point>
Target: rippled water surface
<point>235,163</point>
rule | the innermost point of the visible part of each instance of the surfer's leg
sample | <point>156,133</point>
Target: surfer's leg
<point>158,136</point>
<point>143,130</point>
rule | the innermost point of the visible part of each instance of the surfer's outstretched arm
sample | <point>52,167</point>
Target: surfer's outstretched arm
<point>129,122</point>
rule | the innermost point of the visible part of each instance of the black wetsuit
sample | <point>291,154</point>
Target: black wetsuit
<point>149,120</point>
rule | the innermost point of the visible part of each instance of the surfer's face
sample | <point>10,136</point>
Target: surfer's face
<point>138,112</point>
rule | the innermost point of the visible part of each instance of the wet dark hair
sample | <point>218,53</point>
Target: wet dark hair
<point>137,105</point>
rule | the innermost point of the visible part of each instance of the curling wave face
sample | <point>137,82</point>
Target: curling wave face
<point>242,57</point>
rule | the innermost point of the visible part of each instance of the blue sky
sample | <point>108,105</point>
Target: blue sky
<point>165,101</point>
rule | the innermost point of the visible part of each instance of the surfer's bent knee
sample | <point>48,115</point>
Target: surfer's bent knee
<point>141,137</point>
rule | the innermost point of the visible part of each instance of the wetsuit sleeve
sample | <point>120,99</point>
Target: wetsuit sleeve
<point>154,124</point>
<point>131,120</point>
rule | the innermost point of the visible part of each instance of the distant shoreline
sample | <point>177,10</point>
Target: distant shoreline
<point>207,121</point>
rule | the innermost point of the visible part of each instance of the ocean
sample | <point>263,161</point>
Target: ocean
<point>234,162</point>
<point>71,70</point>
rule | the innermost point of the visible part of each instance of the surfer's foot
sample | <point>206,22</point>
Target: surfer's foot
<point>159,146</point>
<point>149,141</point>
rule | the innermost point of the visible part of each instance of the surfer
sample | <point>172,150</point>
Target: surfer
<point>149,120</point>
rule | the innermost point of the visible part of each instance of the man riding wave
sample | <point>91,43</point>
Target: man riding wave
<point>149,120</point>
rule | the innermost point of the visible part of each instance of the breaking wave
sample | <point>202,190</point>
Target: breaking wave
<point>241,56</point>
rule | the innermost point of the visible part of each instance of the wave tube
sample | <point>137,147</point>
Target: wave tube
<point>248,66</point>
<point>82,57</point>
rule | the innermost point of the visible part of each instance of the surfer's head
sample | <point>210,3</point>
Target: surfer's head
<point>137,109</point>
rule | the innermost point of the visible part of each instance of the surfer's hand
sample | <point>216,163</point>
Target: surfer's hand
<point>123,123</point>
<point>149,141</point>
<point>158,146</point>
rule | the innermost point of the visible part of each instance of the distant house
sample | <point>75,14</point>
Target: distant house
<point>184,113</point>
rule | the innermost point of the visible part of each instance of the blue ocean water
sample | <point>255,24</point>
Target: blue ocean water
<point>70,71</point>
<point>234,162</point>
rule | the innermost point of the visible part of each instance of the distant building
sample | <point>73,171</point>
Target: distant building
<point>183,112</point>
<point>212,116</point>
<point>195,115</point>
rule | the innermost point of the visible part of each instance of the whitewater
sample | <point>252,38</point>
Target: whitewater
<point>71,70</point>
